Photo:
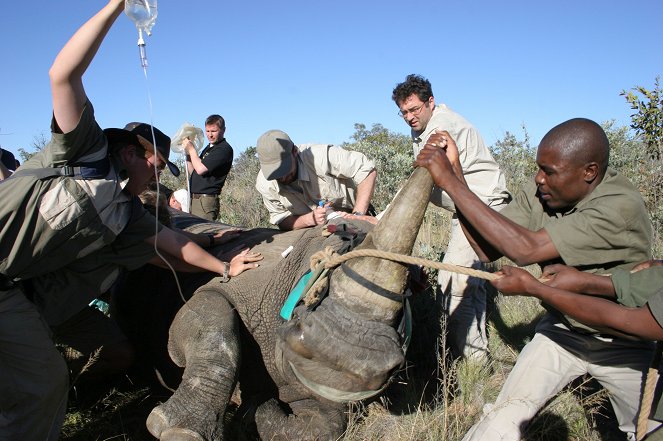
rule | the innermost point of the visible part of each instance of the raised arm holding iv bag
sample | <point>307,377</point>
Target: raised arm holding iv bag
<point>144,15</point>
<point>195,135</point>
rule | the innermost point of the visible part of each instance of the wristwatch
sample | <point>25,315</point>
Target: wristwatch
<point>225,277</point>
<point>358,213</point>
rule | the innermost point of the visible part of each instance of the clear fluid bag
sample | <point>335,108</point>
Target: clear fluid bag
<point>143,13</point>
<point>195,134</point>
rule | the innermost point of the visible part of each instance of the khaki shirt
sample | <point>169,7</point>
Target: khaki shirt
<point>481,171</point>
<point>46,224</point>
<point>324,172</point>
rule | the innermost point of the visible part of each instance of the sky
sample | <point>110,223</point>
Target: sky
<point>314,69</point>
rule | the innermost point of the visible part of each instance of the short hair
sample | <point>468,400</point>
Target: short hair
<point>215,120</point>
<point>149,199</point>
<point>581,141</point>
<point>413,84</point>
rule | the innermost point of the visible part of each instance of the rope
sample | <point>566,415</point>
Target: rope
<point>330,259</point>
<point>648,393</point>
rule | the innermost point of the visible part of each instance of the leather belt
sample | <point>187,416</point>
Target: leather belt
<point>202,195</point>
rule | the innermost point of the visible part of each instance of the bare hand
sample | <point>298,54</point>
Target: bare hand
<point>319,215</point>
<point>563,277</point>
<point>435,160</point>
<point>514,281</point>
<point>647,264</point>
<point>188,146</point>
<point>370,219</point>
<point>226,236</point>
<point>244,261</point>
<point>442,139</point>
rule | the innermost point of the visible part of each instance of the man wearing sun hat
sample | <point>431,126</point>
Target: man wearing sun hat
<point>73,199</point>
<point>294,180</point>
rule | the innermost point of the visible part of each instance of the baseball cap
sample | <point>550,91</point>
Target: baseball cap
<point>137,133</point>
<point>274,149</point>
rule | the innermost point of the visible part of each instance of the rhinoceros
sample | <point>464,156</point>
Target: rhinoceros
<point>298,372</point>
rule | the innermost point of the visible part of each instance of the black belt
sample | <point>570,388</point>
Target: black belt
<point>202,195</point>
<point>6,283</point>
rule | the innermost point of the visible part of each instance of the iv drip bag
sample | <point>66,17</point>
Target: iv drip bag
<point>195,134</point>
<point>143,13</point>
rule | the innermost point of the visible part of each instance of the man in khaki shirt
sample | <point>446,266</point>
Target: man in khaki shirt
<point>299,184</point>
<point>464,298</point>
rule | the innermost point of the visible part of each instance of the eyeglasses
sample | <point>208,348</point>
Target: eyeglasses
<point>414,110</point>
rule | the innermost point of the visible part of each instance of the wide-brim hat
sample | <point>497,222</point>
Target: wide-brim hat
<point>274,149</point>
<point>141,134</point>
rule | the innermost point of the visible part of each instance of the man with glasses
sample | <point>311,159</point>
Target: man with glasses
<point>464,300</point>
<point>299,184</point>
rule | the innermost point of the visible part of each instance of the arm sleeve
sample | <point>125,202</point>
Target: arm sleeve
<point>349,164</point>
<point>270,198</point>
<point>636,289</point>
<point>86,142</point>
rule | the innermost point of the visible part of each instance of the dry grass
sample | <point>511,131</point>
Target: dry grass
<point>432,398</point>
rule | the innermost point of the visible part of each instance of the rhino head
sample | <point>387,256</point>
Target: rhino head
<point>348,347</point>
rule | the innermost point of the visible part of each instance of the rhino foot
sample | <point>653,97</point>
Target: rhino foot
<point>180,434</point>
<point>157,422</point>
<point>165,422</point>
<point>311,421</point>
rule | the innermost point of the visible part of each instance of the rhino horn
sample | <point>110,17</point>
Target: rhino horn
<point>372,287</point>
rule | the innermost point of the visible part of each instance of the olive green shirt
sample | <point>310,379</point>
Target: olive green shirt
<point>637,289</point>
<point>46,224</point>
<point>61,294</point>
<point>608,230</point>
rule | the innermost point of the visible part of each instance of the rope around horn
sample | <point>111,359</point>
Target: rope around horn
<point>331,259</point>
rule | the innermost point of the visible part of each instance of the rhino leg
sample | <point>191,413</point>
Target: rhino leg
<point>204,340</point>
<point>311,420</point>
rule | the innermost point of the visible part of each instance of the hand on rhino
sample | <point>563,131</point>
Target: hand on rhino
<point>244,261</point>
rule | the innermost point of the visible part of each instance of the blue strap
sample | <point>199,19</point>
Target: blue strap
<point>295,296</point>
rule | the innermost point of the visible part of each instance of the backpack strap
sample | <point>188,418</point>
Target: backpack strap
<point>85,170</point>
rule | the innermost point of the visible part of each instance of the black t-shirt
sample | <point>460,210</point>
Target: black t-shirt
<point>218,159</point>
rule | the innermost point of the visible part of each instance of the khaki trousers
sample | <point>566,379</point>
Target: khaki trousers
<point>555,357</point>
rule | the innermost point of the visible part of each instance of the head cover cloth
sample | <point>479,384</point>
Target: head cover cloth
<point>182,196</point>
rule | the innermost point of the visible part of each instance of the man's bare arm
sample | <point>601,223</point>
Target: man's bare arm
<point>484,225</point>
<point>599,313</point>
<point>66,73</point>
<point>365,192</point>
